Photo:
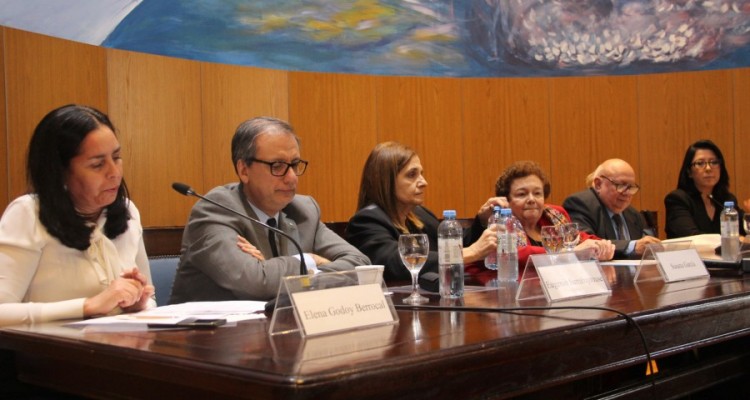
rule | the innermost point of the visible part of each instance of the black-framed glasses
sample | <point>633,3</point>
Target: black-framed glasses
<point>702,164</point>
<point>281,168</point>
<point>623,188</point>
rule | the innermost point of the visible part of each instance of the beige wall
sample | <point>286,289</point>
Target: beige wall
<point>176,118</point>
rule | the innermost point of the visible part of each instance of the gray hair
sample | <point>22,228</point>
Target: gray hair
<point>243,141</point>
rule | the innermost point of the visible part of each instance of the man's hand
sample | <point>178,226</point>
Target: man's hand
<point>248,248</point>
<point>640,244</point>
<point>319,260</point>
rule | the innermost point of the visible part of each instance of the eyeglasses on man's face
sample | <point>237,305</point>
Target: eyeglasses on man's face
<point>623,188</point>
<point>281,168</point>
<point>702,164</point>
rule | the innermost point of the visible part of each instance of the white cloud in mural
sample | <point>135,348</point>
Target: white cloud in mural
<point>87,21</point>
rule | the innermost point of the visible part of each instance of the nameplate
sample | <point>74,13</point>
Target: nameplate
<point>680,265</point>
<point>577,279</point>
<point>338,309</point>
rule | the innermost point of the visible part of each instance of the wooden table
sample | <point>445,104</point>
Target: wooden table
<point>697,330</point>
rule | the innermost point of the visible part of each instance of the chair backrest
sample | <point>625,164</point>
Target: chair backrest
<point>338,227</point>
<point>163,249</point>
<point>163,241</point>
<point>163,270</point>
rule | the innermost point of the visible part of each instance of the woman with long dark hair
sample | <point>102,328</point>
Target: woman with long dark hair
<point>703,187</point>
<point>73,246</point>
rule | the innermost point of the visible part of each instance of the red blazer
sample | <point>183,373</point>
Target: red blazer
<point>524,252</point>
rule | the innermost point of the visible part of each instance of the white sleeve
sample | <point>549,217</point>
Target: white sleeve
<point>22,239</point>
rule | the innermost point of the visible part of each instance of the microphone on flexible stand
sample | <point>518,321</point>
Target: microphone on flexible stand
<point>720,204</point>
<point>186,190</point>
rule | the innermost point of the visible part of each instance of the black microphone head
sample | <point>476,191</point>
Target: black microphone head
<point>182,188</point>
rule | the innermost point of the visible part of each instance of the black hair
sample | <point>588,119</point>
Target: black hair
<point>56,140</point>
<point>686,183</point>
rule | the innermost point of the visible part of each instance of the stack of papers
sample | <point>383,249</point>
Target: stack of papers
<point>171,315</point>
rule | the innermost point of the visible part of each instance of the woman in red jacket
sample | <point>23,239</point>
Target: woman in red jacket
<point>525,186</point>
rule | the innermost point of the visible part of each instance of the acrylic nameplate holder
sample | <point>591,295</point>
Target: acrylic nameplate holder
<point>330,302</point>
<point>675,261</point>
<point>562,276</point>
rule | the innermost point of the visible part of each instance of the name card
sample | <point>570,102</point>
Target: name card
<point>680,265</point>
<point>338,309</point>
<point>578,279</point>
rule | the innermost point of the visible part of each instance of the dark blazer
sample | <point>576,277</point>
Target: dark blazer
<point>213,268</point>
<point>372,232</point>
<point>587,209</point>
<point>686,214</point>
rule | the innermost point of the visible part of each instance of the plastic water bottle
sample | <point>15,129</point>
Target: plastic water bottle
<point>491,260</point>
<point>450,256</point>
<point>507,251</point>
<point>730,232</point>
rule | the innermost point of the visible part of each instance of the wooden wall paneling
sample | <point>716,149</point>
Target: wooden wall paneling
<point>335,117</point>
<point>155,102</point>
<point>675,110</point>
<point>231,95</point>
<point>740,179</point>
<point>504,120</point>
<point>425,114</point>
<point>592,119</point>
<point>5,181</point>
<point>44,73</point>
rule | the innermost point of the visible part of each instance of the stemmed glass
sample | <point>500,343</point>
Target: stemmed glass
<point>413,250</point>
<point>552,239</point>
<point>570,234</point>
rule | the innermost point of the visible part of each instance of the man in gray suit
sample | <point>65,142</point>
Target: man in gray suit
<point>227,257</point>
<point>605,211</point>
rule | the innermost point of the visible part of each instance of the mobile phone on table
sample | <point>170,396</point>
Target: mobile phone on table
<point>202,322</point>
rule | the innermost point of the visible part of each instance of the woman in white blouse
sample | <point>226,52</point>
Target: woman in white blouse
<point>73,247</point>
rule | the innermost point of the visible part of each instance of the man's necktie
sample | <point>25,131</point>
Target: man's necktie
<point>621,233</point>
<point>272,237</point>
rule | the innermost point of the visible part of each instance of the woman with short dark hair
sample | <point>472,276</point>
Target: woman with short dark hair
<point>526,187</point>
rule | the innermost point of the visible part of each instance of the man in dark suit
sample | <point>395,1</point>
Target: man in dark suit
<point>227,257</point>
<point>605,211</point>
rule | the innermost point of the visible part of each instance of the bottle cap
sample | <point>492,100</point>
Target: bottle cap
<point>496,208</point>
<point>449,214</point>
<point>728,204</point>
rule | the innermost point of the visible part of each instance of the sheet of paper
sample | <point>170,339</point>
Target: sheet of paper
<point>705,244</point>
<point>232,311</point>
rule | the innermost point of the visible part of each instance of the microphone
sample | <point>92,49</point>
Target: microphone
<point>720,204</point>
<point>186,190</point>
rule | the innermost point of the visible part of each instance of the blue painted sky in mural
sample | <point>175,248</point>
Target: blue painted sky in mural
<point>444,37</point>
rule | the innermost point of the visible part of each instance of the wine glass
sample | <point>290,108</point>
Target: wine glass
<point>570,234</point>
<point>552,239</point>
<point>413,250</point>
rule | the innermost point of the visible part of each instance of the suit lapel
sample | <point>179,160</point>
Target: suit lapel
<point>606,220</point>
<point>633,227</point>
<point>261,233</point>
<point>289,227</point>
